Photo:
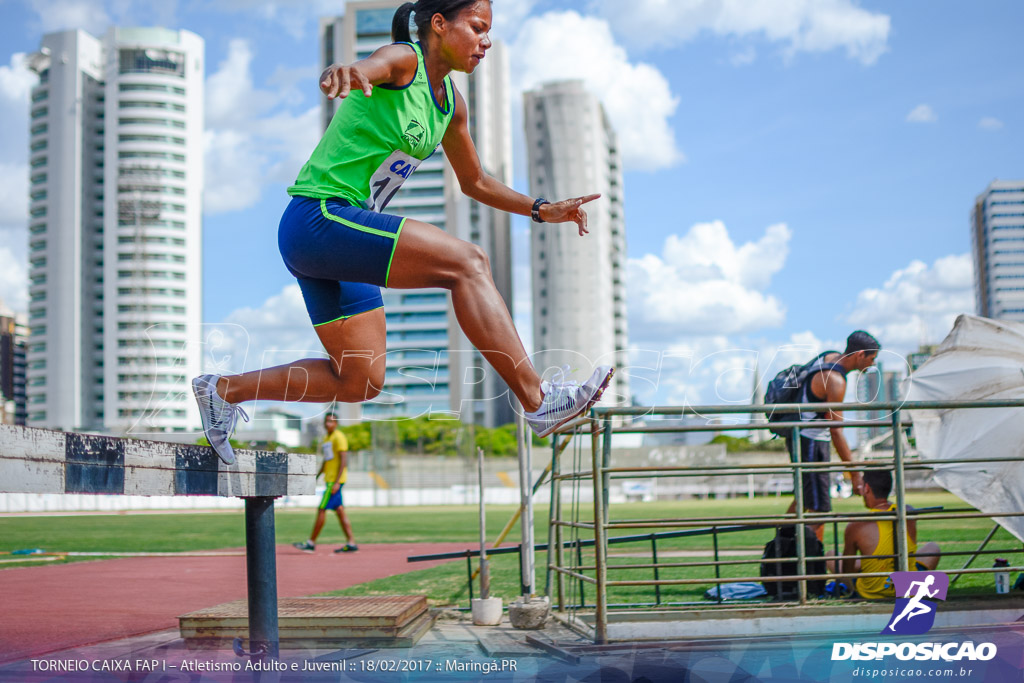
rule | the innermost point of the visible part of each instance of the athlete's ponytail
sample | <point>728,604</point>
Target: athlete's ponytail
<point>424,11</point>
<point>400,24</point>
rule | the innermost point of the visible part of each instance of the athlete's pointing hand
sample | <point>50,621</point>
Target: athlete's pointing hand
<point>568,210</point>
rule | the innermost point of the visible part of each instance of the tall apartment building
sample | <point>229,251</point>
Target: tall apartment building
<point>878,385</point>
<point>13,342</point>
<point>115,184</point>
<point>579,283</point>
<point>431,367</point>
<point>997,245</point>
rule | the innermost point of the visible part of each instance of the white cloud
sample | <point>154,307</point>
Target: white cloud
<point>704,284</point>
<point>566,45</point>
<point>744,58</point>
<point>59,15</point>
<point>13,281</point>
<point>704,370</point>
<point>800,25</point>
<point>16,80</point>
<point>234,177</point>
<point>253,137</point>
<point>922,113</point>
<point>990,123</point>
<point>918,303</point>
<point>231,95</point>
<point>276,332</point>
<point>508,16</point>
<point>13,195</point>
<point>293,16</point>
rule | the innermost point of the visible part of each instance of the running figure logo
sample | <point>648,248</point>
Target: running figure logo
<point>914,613</point>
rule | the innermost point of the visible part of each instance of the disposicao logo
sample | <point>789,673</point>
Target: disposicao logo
<point>912,615</point>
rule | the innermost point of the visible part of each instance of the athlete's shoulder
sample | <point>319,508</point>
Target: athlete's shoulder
<point>401,60</point>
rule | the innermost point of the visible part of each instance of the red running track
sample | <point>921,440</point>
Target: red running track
<point>53,608</point>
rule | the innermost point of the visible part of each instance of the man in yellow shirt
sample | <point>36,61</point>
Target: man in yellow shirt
<point>870,539</point>
<point>334,467</point>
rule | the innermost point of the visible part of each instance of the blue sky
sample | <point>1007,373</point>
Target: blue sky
<point>795,168</point>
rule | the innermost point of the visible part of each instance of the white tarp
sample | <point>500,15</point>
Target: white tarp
<point>981,359</point>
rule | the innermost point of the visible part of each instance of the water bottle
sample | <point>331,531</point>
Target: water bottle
<point>1002,577</point>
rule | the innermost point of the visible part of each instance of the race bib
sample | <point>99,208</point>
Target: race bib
<point>388,179</point>
<point>328,450</point>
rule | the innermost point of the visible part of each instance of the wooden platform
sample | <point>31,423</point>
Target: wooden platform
<point>330,622</point>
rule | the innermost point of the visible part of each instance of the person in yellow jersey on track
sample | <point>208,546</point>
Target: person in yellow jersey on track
<point>334,467</point>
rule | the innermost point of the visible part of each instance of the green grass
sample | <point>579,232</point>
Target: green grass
<point>446,584</point>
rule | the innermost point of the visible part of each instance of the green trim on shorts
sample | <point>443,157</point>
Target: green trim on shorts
<point>387,275</point>
<point>326,498</point>
<point>346,317</point>
<point>356,226</point>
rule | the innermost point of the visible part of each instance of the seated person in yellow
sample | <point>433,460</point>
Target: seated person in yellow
<point>876,538</point>
<point>334,467</point>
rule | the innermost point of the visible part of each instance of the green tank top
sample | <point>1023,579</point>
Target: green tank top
<point>373,144</point>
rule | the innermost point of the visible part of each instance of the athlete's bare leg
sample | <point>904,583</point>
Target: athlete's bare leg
<point>353,373</point>
<point>318,525</point>
<point>427,256</point>
<point>346,526</point>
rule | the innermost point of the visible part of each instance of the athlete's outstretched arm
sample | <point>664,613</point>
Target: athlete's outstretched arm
<point>478,185</point>
<point>389,64</point>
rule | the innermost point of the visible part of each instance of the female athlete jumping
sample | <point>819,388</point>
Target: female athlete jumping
<point>397,106</point>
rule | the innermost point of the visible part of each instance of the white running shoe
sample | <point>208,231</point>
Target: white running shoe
<point>566,400</point>
<point>219,416</point>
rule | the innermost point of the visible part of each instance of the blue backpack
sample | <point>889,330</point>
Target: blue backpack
<point>787,387</point>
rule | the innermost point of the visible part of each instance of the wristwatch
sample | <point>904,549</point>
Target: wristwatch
<point>535,212</point>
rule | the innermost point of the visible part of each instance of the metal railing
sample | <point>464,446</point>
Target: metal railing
<point>602,423</point>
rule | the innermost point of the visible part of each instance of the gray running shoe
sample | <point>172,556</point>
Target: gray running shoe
<point>219,416</point>
<point>306,546</point>
<point>566,400</point>
<point>347,548</point>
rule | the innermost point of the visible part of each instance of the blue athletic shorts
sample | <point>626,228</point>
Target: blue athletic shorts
<point>331,502</point>
<point>340,254</point>
<point>816,485</point>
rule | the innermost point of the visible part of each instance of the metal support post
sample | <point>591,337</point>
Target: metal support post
<point>718,567</point>
<point>261,571</point>
<point>579,563</point>
<point>654,558</point>
<point>554,528</point>
<point>600,557</point>
<point>801,542</point>
<point>526,504</point>
<point>485,574</point>
<point>606,462</point>
<point>901,492</point>
<point>976,553</point>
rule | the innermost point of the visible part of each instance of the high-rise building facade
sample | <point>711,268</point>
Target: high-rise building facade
<point>13,343</point>
<point>997,245</point>
<point>115,227</point>
<point>431,366</point>
<point>578,283</point>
